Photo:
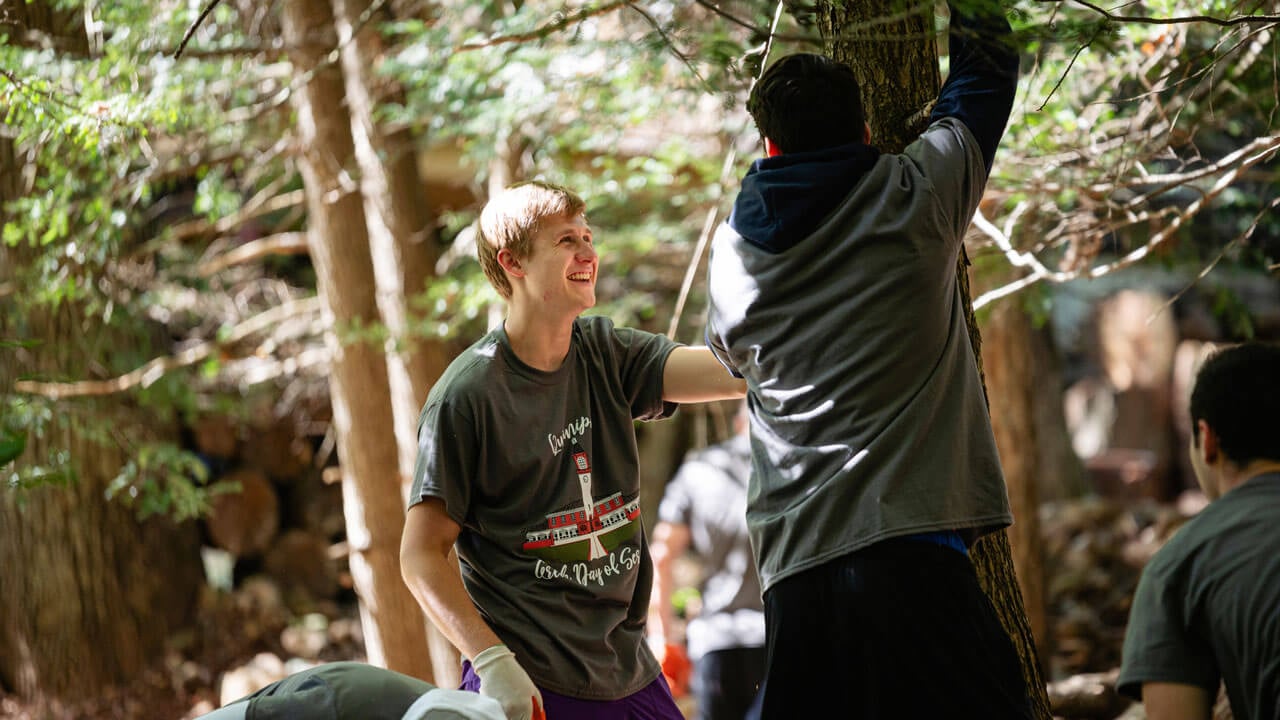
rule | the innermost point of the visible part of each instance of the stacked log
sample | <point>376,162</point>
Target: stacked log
<point>287,599</point>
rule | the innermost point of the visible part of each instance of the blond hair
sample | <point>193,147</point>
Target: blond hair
<point>512,217</point>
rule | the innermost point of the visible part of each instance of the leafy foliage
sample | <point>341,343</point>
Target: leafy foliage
<point>143,172</point>
<point>164,479</point>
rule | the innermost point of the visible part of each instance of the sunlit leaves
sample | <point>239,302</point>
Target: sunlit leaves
<point>163,479</point>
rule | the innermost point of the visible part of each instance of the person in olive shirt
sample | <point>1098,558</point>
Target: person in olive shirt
<point>528,466</point>
<point>1207,608</point>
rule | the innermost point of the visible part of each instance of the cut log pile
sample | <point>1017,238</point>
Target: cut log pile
<point>283,596</point>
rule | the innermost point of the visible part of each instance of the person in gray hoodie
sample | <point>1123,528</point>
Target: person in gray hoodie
<point>833,292</point>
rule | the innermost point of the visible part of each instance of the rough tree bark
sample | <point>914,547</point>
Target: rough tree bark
<point>402,241</point>
<point>90,594</point>
<point>338,240</point>
<point>890,45</point>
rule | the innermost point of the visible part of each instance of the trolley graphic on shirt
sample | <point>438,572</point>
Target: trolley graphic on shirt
<point>588,530</point>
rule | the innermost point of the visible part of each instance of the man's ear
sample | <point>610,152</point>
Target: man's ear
<point>1208,446</point>
<point>771,148</point>
<point>866,133</point>
<point>510,262</point>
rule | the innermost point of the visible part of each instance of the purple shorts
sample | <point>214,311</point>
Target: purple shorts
<point>652,702</point>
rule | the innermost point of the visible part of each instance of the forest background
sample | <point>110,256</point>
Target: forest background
<point>237,250</point>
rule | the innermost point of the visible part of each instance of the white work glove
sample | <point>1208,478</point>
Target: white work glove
<point>502,679</point>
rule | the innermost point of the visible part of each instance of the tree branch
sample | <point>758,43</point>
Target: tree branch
<point>559,22</point>
<point>258,205</point>
<point>1248,156</point>
<point>186,37</point>
<point>290,243</point>
<point>670,43</point>
<point>157,368</point>
<point>1209,19</point>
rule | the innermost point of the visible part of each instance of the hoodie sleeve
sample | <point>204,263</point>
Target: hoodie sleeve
<point>983,80</point>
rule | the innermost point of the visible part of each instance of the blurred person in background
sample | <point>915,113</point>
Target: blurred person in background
<point>704,510</point>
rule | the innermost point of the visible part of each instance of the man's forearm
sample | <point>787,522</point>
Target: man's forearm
<point>983,79</point>
<point>437,586</point>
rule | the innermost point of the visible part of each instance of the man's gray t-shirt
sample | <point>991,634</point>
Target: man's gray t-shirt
<point>1208,605</point>
<point>541,470</point>
<point>709,495</point>
<point>868,417</point>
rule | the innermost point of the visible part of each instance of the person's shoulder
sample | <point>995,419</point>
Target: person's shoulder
<point>946,137</point>
<point>470,373</point>
<point>1190,538</point>
<point>595,325</point>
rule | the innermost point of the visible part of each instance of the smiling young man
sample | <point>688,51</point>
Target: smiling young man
<point>528,467</point>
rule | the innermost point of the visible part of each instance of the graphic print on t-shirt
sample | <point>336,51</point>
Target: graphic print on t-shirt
<point>586,530</point>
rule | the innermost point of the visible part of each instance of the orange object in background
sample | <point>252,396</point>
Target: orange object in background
<point>676,668</point>
<point>538,713</point>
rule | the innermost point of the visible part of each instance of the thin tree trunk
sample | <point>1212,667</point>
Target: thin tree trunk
<point>993,558</point>
<point>1061,474</point>
<point>1013,391</point>
<point>891,47</point>
<point>394,631</point>
<point>401,238</point>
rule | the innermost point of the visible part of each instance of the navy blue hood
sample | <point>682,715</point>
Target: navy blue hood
<point>786,197</point>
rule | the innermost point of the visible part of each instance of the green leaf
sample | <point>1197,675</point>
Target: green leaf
<point>12,444</point>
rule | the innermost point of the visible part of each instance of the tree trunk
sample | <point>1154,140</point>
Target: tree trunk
<point>402,241</point>
<point>89,594</point>
<point>338,239</point>
<point>891,48</point>
<point>1062,475</point>
<point>1013,391</point>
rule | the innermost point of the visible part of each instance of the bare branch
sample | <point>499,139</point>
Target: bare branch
<point>1071,64</point>
<point>708,226</point>
<point>1248,232</point>
<point>671,44</point>
<point>290,243</point>
<point>157,368</point>
<point>1208,19</point>
<point>186,37</point>
<point>258,205</point>
<point>1239,162</point>
<point>559,22</point>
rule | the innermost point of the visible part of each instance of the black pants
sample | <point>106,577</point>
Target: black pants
<point>726,683</point>
<point>900,630</point>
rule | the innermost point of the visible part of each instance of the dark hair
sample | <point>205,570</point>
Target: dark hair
<point>807,102</point>
<point>1237,393</point>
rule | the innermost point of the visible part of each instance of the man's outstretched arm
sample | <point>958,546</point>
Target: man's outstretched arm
<point>983,80</point>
